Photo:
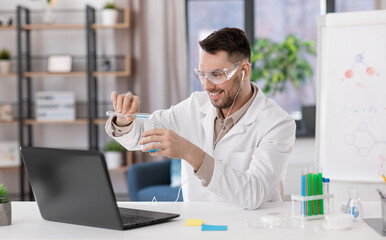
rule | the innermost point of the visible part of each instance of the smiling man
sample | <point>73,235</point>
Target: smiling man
<point>234,141</point>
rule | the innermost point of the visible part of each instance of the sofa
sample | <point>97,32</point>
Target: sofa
<point>152,179</point>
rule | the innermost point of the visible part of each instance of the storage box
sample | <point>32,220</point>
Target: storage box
<point>55,106</point>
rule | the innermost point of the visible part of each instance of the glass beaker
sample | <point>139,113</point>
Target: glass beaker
<point>354,206</point>
<point>149,124</point>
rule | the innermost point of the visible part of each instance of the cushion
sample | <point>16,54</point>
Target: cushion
<point>161,192</point>
<point>175,172</point>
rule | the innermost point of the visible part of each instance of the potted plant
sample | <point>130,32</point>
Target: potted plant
<point>48,17</point>
<point>5,207</point>
<point>109,14</point>
<point>5,61</point>
<point>276,64</point>
<point>113,154</point>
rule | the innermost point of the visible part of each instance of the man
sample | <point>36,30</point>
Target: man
<point>235,142</point>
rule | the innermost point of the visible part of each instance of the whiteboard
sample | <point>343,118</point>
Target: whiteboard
<point>351,96</point>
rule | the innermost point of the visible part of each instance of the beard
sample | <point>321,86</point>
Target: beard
<point>228,97</point>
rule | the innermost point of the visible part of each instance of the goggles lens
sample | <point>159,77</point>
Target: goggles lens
<point>216,76</point>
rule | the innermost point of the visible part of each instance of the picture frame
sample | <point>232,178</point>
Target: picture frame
<point>59,63</point>
<point>9,154</point>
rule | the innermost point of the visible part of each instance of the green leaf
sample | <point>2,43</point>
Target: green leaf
<point>113,146</point>
<point>5,55</point>
<point>275,63</point>
<point>3,194</point>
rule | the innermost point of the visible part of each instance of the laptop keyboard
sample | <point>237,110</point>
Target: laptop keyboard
<point>130,219</point>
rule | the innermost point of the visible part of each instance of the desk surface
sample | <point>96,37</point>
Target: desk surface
<point>28,224</point>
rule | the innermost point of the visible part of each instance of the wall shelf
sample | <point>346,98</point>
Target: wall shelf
<point>53,26</point>
<point>112,73</point>
<point>89,70</point>
<point>115,26</point>
<point>9,122</point>
<point>8,28</point>
<point>124,25</point>
<point>11,74</point>
<point>10,168</point>
<point>125,73</point>
<point>37,122</point>
<point>100,121</point>
<point>77,74</point>
<point>40,122</point>
<point>52,74</point>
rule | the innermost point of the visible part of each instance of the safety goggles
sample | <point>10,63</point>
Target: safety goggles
<point>217,76</point>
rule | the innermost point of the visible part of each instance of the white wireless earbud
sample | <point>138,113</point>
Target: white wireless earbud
<point>242,78</point>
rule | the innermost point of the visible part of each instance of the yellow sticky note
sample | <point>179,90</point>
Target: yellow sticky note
<point>194,222</point>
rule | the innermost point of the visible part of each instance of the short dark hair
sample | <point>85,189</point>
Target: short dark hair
<point>231,40</point>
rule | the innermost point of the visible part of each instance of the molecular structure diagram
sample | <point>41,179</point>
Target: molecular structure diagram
<point>382,161</point>
<point>362,140</point>
<point>359,60</point>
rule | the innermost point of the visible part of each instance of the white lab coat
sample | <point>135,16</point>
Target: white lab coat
<point>250,160</point>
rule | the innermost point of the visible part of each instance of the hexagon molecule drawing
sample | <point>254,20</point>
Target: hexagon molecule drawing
<point>362,140</point>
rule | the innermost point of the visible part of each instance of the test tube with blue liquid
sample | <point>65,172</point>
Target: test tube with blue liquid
<point>304,191</point>
<point>148,121</point>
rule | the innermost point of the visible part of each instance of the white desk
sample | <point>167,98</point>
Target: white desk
<point>28,224</point>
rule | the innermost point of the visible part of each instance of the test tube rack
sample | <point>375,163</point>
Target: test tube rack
<point>298,206</point>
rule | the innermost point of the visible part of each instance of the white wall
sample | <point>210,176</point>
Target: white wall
<point>303,156</point>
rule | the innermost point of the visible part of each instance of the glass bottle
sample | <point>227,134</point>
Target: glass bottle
<point>354,205</point>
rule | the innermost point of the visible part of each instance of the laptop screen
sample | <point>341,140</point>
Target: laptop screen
<point>71,186</point>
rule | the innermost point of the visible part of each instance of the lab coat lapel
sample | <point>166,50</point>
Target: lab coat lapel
<point>239,128</point>
<point>249,117</point>
<point>207,121</point>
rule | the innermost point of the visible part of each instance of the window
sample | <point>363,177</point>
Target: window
<point>276,19</point>
<point>273,19</point>
<point>204,17</point>
<point>354,5</point>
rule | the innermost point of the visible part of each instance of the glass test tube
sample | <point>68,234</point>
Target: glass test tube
<point>304,191</point>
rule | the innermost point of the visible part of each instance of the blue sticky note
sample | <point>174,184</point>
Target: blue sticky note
<point>205,227</point>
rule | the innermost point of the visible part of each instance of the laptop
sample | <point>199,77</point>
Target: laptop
<point>73,186</point>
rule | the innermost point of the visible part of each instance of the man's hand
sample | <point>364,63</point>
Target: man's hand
<point>125,103</point>
<point>172,145</point>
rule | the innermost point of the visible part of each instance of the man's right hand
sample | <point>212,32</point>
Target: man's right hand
<point>125,103</point>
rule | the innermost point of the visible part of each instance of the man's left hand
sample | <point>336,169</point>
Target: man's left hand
<point>171,145</point>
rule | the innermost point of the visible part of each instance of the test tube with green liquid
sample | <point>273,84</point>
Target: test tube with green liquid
<point>309,191</point>
<point>315,192</point>
<point>320,191</point>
